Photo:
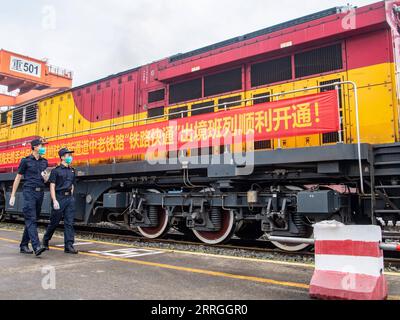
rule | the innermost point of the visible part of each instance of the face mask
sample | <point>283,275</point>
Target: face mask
<point>42,151</point>
<point>69,160</point>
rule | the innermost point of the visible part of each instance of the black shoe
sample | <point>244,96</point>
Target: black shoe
<point>46,245</point>
<point>71,250</point>
<point>25,250</point>
<point>39,251</point>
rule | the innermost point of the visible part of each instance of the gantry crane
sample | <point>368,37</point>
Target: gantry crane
<point>24,78</point>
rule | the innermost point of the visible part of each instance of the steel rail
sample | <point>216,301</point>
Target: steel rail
<point>383,246</point>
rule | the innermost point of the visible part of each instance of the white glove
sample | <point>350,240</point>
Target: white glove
<point>12,201</point>
<point>56,205</point>
<point>46,176</point>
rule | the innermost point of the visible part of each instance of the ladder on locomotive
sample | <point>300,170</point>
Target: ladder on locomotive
<point>385,162</point>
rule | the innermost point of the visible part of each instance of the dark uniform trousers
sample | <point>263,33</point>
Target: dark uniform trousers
<point>31,168</point>
<point>67,211</point>
<point>33,201</point>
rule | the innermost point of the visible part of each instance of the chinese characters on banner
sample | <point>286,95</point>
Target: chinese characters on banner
<point>307,115</point>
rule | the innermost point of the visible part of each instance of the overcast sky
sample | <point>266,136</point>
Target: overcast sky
<point>96,38</point>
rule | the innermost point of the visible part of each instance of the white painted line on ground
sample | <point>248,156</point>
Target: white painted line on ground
<point>127,253</point>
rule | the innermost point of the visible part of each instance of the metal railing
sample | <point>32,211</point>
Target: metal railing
<point>225,107</point>
<point>60,71</point>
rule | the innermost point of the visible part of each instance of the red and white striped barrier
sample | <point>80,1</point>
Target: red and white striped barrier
<point>348,263</point>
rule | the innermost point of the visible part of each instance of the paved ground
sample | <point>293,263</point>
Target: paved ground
<point>114,271</point>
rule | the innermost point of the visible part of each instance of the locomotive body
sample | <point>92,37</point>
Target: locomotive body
<point>351,174</point>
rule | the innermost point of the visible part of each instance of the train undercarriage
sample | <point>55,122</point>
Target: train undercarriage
<point>279,193</point>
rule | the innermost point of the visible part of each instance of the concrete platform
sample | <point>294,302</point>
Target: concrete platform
<point>113,271</point>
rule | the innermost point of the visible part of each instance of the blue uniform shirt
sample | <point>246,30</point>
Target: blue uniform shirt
<point>32,170</point>
<point>63,177</point>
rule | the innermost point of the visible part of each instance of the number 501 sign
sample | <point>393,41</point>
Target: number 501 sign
<point>26,67</point>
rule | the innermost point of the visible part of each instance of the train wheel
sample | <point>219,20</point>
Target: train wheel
<point>249,231</point>
<point>292,247</point>
<point>306,231</point>
<point>226,233</point>
<point>2,215</point>
<point>161,229</point>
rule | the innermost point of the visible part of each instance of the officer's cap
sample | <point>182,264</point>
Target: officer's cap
<point>64,151</point>
<point>38,142</point>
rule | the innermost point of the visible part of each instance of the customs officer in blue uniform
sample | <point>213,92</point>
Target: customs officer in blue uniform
<point>33,170</point>
<point>62,184</point>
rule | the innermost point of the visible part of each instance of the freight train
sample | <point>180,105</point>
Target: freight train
<point>263,134</point>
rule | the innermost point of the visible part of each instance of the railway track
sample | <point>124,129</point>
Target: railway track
<point>259,246</point>
<point>392,259</point>
<point>175,238</point>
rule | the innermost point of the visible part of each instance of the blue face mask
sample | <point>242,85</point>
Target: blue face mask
<point>69,160</point>
<point>42,151</point>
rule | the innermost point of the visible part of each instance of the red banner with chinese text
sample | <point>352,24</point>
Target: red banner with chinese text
<point>307,115</point>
